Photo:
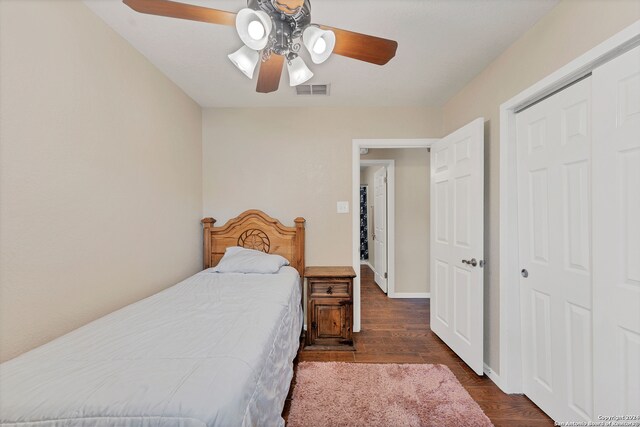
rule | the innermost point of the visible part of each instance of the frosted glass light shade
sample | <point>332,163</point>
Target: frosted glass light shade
<point>298,71</point>
<point>319,43</point>
<point>246,60</point>
<point>253,27</point>
<point>320,47</point>
<point>256,30</point>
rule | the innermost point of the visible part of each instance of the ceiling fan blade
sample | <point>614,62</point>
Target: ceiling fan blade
<point>174,9</point>
<point>362,47</point>
<point>270,72</point>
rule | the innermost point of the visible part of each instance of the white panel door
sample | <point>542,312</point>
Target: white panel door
<point>457,242</point>
<point>616,236</point>
<point>380,228</point>
<point>554,206</point>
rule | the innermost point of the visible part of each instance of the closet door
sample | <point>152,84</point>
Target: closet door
<point>616,236</point>
<point>554,209</point>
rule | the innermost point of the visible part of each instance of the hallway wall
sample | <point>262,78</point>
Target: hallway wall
<point>411,215</point>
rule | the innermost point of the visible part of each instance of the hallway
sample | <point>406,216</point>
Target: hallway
<point>397,331</point>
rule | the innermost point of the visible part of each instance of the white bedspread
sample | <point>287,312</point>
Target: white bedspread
<point>213,350</point>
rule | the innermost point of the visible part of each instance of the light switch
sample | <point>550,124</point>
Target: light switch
<point>343,207</point>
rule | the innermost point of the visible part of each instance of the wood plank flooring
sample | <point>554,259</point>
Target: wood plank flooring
<point>397,331</point>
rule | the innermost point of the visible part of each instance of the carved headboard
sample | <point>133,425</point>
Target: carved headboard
<point>255,229</point>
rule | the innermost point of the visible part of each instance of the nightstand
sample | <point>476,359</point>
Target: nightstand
<point>329,308</point>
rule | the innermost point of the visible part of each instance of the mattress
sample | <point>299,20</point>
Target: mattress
<point>213,350</point>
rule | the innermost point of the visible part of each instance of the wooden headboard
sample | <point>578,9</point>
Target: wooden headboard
<point>255,229</point>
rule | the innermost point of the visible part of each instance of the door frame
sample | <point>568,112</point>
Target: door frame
<point>510,376</point>
<point>357,144</point>
<point>391,212</point>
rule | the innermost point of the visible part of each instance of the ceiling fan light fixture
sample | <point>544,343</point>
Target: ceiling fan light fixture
<point>275,31</point>
<point>253,27</point>
<point>319,43</point>
<point>256,30</point>
<point>320,47</point>
<point>245,59</point>
<point>298,71</point>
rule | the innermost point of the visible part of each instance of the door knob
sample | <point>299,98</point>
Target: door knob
<point>472,262</point>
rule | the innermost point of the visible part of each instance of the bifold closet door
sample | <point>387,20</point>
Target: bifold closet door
<point>616,235</point>
<point>554,219</point>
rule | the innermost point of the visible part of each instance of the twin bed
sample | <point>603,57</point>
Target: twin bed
<point>214,350</point>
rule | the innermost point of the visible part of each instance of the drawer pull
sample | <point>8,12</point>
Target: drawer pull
<point>329,290</point>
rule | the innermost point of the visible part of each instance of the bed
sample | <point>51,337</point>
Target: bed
<point>213,350</point>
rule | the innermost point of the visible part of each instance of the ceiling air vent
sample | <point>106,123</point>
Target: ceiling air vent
<point>313,89</point>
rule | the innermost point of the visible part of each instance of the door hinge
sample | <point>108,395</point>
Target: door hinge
<point>346,302</point>
<point>386,275</point>
<point>314,325</point>
<point>385,179</point>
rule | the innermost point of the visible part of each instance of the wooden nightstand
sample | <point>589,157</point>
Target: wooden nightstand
<point>329,308</point>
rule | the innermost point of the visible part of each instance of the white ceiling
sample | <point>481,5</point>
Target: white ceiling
<point>443,44</point>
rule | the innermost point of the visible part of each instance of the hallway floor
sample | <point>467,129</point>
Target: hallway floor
<point>397,331</point>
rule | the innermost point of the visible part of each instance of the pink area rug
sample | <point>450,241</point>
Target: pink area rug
<point>380,395</point>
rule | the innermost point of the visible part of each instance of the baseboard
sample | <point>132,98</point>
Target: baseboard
<point>493,376</point>
<point>368,264</point>
<point>411,295</point>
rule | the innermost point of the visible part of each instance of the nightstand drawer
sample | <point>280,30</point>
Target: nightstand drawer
<point>330,288</point>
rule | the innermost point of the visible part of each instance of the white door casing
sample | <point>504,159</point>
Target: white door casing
<point>616,235</point>
<point>457,242</point>
<point>380,227</point>
<point>554,205</point>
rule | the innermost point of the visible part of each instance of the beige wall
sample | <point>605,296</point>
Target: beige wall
<point>297,162</point>
<point>570,29</point>
<point>100,162</point>
<point>411,215</point>
<point>100,173</point>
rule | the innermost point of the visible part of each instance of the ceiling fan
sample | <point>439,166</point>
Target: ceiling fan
<point>274,31</point>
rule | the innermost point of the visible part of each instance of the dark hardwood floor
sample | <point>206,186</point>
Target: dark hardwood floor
<point>397,331</point>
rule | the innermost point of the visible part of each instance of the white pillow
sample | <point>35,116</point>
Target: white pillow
<point>233,249</point>
<point>241,260</point>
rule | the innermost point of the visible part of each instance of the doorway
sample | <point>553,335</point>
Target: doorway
<point>378,177</point>
<point>454,226</point>
<point>398,182</point>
